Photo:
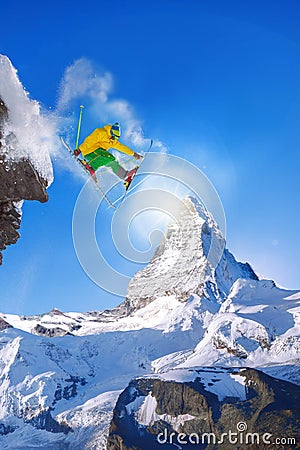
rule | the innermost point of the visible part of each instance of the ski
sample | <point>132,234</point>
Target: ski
<point>67,147</point>
<point>122,198</point>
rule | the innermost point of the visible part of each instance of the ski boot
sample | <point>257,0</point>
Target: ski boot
<point>129,177</point>
<point>88,168</point>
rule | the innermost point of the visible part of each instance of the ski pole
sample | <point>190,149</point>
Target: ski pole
<point>79,125</point>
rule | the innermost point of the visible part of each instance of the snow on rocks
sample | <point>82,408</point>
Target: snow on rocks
<point>28,133</point>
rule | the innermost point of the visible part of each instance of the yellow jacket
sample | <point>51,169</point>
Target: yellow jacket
<point>101,138</point>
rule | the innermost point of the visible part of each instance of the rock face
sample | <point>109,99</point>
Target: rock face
<point>4,325</point>
<point>19,181</point>
<point>50,332</point>
<point>250,406</point>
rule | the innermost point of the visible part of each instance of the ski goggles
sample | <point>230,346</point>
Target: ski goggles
<point>114,137</point>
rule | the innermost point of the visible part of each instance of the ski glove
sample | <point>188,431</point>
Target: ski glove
<point>137,156</point>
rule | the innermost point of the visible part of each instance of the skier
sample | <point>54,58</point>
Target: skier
<point>95,148</point>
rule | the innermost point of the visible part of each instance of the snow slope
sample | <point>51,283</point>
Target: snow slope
<point>257,326</point>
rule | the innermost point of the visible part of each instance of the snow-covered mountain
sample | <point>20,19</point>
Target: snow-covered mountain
<point>62,373</point>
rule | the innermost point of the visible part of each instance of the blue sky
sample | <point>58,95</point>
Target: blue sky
<point>217,82</point>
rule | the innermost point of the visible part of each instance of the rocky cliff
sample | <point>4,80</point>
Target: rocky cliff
<point>213,408</point>
<point>20,178</point>
<point>19,181</point>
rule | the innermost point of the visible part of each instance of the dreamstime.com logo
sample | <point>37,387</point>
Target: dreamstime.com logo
<point>167,170</point>
<point>239,436</point>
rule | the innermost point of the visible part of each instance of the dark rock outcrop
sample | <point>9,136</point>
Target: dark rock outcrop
<point>4,325</point>
<point>269,411</point>
<point>70,389</point>
<point>44,421</point>
<point>49,332</point>
<point>19,181</point>
<point>6,429</point>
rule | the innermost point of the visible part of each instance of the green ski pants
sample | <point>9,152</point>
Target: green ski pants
<point>100,158</point>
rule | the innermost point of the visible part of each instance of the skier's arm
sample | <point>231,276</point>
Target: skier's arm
<point>123,148</point>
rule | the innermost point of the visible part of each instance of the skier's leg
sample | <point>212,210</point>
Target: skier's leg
<point>101,157</point>
<point>117,169</point>
<point>88,167</point>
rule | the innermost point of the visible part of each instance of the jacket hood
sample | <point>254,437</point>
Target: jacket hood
<point>107,128</point>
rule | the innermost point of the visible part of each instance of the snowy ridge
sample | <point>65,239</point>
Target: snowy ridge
<point>27,134</point>
<point>257,326</point>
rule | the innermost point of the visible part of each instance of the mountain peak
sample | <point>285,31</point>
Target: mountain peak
<point>180,265</point>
